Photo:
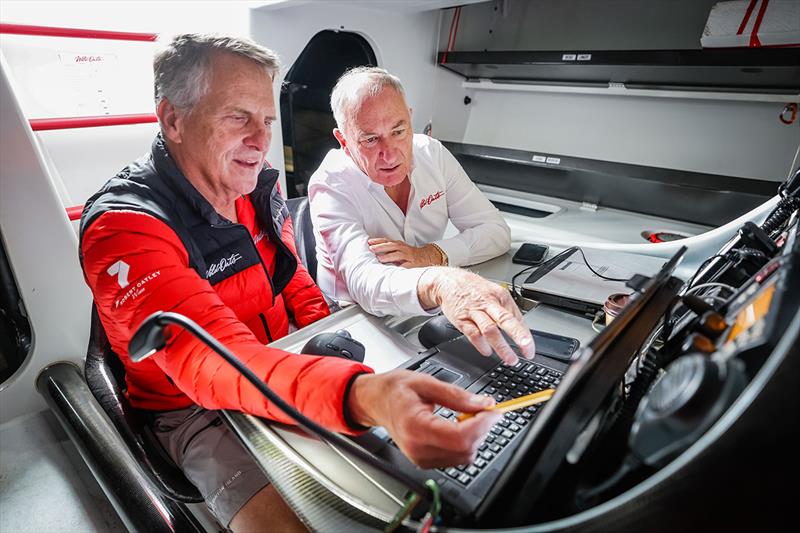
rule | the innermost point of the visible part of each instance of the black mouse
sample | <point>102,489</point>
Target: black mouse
<point>436,331</point>
<point>338,344</point>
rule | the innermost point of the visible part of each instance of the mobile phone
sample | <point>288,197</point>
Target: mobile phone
<point>556,346</point>
<point>530,254</point>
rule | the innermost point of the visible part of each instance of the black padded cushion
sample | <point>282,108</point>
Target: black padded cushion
<point>304,233</point>
<point>104,375</point>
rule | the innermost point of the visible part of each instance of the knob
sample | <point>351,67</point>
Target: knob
<point>697,342</point>
<point>712,324</point>
<point>344,333</point>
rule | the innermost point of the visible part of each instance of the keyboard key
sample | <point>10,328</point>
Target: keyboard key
<point>520,420</point>
<point>487,455</point>
<point>493,374</point>
<point>502,441</point>
<point>504,422</point>
<point>483,447</point>
<point>514,427</point>
<point>489,438</point>
<point>495,448</point>
<point>541,371</point>
<point>452,472</point>
<point>464,479</point>
<point>496,429</point>
<point>473,471</point>
<point>445,413</point>
<point>489,390</point>
<point>480,462</point>
<point>507,434</point>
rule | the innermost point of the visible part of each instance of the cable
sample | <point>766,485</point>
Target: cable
<point>595,272</point>
<point>410,503</point>
<point>435,508</point>
<point>151,337</point>
<point>703,265</point>
<point>711,284</point>
<point>595,326</point>
<point>514,280</point>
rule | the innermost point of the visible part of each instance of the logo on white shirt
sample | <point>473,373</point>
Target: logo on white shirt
<point>430,199</point>
<point>120,269</point>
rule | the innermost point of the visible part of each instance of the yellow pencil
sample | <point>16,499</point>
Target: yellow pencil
<point>516,403</point>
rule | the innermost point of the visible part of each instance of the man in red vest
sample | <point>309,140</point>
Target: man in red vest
<point>198,227</point>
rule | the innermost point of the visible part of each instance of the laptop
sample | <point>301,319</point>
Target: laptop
<point>565,281</point>
<point>508,465</point>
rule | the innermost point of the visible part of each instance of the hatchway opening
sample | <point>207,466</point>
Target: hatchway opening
<point>306,116</point>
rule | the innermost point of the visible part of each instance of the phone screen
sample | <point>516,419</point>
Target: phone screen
<point>530,254</point>
<point>555,346</point>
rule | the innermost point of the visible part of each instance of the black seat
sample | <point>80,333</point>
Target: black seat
<point>304,233</point>
<point>104,375</point>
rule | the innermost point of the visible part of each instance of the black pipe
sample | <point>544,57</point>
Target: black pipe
<point>140,505</point>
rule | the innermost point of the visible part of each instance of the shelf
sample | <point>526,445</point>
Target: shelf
<point>722,70</point>
<point>620,89</point>
<point>662,192</point>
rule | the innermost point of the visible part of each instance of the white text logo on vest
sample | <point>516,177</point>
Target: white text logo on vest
<point>120,269</point>
<point>223,263</point>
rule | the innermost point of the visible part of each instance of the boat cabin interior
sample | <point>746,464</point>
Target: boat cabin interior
<point>657,141</point>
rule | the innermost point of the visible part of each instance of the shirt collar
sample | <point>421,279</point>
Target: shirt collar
<point>166,167</point>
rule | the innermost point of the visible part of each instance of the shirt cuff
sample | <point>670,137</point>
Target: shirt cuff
<point>455,248</point>
<point>404,289</point>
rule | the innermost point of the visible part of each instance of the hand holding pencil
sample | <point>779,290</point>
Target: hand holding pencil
<point>516,403</point>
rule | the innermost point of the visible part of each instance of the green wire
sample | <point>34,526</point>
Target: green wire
<point>412,501</point>
<point>436,506</point>
<point>408,506</point>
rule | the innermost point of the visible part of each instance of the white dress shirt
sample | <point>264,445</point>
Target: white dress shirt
<point>348,208</point>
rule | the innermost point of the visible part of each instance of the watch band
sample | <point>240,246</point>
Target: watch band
<point>445,259</point>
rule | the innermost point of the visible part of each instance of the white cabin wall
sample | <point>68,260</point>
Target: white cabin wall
<point>742,139</point>
<point>404,44</point>
<point>83,159</point>
<point>734,138</point>
<point>39,238</point>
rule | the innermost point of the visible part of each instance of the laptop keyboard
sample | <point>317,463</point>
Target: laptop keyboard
<point>506,382</point>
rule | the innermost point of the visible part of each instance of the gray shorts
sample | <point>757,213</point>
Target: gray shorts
<point>211,457</point>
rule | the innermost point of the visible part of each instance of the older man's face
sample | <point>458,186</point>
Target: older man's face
<point>224,140</point>
<point>379,138</point>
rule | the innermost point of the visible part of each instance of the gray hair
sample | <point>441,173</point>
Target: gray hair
<point>355,86</point>
<point>181,70</point>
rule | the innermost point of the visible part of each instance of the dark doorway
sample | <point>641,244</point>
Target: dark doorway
<point>306,116</point>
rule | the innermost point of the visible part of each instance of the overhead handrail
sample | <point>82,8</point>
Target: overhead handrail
<point>44,124</point>
<point>80,33</point>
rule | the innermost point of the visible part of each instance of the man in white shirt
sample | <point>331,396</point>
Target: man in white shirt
<point>380,206</point>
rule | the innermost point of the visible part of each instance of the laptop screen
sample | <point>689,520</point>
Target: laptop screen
<point>561,427</point>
